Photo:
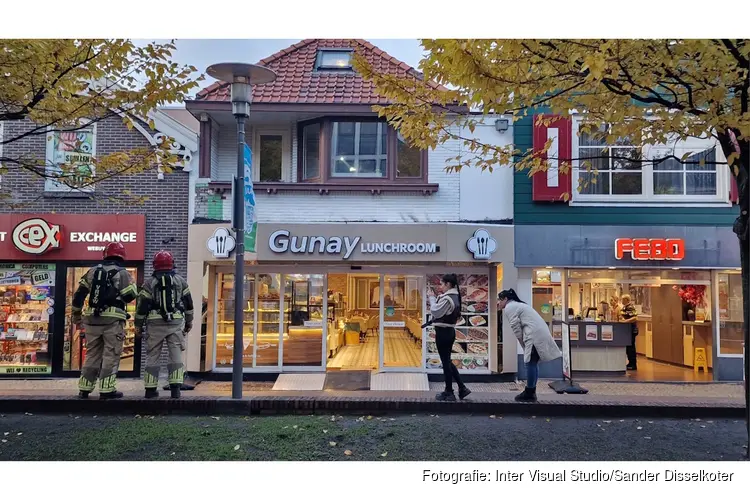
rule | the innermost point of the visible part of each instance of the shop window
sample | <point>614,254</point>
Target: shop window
<point>74,346</point>
<point>27,309</point>
<point>471,350</point>
<point>731,324</point>
<point>546,294</point>
<point>225,321</point>
<point>69,160</point>
<point>303,333</point>
<point>409,160</point>
<point>270,318</point>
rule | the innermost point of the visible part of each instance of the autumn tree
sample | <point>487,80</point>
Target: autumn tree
<point>67,85</point>
<point>648,92</point>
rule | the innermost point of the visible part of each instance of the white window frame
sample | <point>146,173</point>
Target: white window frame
<point>647,196</point>
<point>356,158</point>
<point>286,152</point>
<point>52,186</point>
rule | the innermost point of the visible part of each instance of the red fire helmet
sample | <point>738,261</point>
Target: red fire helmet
<point>163,261</point>
<point>115,249</point>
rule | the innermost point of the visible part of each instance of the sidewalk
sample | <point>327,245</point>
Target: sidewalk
<point>604,399</point>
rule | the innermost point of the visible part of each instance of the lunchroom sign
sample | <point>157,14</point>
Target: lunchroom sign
<point>282,241</point>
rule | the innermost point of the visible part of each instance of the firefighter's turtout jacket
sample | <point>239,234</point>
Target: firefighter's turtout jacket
<point>121,280</point>
<point>148,310</point>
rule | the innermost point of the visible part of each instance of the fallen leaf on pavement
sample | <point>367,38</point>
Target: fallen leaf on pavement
<point>348,453</point>
<point>392,419</point>
<point>173,453</point>
<point>294,427</point>
<point>6,433</point>
<point>325,431</point>
<point>607,421</point>
<point>19,434</point>
<point>333,419</point>
<point>650,421</point>
<point>703,426</point>
<point>5,440</point>
<point>332,443</point>
<point>236,447</point>
<point>369,417</point>
<point>30,414</point>
<point>384,454</point>
<point>646,437</point>
<point>639,428</point>
<point>216,418</point>
<point>137,416</point>
<point>492,416</point>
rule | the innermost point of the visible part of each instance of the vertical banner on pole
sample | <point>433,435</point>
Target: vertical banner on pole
<point>567,371</point>
<point>251,222</point>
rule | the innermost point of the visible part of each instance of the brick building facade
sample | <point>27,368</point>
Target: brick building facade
<point>167,197</point>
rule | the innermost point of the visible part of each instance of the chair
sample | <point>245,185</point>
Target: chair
<point>373,325</point>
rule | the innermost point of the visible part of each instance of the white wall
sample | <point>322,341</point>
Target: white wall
<point>469,195</point>
<point>485,195</point>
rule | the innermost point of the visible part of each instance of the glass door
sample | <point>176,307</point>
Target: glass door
<point>401,318</point>
<point>74,346</point>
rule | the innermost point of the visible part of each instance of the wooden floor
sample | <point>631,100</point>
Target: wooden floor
<point>399,351</point>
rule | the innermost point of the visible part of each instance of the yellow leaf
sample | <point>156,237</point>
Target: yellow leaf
<point>384,454</point>
<point>348,453</point>
<point>332,443</point>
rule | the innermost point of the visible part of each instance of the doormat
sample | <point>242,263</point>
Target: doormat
<point>346,380</point>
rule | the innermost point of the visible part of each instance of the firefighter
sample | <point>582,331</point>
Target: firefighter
<point>108,288</point>
<point>165,309</point>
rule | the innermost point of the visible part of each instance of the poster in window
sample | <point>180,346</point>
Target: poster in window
<point>607,333</point>
<point>573,332</point>
<point>471,349</point>
<point>71,159</point>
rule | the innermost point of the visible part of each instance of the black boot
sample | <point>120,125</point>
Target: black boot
<point>152,393</point>
<point>463,392</point>
<point>527,396</point>
<point>175,389</point>
<point>83,394</point>
<point>445,396</point>
<point>111,395</point>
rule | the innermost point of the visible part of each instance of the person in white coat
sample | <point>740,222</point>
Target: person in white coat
<point>533,333</point>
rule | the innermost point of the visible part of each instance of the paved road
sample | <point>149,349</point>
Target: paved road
<point>402,437</point>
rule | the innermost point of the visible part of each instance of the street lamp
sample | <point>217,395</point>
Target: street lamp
<point>241,77</point>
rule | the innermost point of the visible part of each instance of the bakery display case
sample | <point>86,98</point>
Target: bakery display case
<point>26,310</point>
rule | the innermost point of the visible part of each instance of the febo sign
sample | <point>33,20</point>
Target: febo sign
<point>52,237</point>
<point>650,249</point>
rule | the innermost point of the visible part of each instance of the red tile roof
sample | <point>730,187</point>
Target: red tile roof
<point>298,82</point>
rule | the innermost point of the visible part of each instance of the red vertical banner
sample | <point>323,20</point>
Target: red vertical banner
<point>552,184</point>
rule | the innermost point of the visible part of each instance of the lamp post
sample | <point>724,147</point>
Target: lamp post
<point>241,77</point>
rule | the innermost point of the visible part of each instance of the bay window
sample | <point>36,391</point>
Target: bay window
<point>623,171</point>
<point>363,152</point>
<point>359,149</point>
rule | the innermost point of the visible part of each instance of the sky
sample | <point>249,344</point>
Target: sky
<point>201,53</point>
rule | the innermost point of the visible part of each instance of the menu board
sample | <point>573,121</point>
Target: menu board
<point>471,349</point>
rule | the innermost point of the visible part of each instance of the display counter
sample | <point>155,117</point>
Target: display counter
<point>596,346</point>
<point>303,346</point>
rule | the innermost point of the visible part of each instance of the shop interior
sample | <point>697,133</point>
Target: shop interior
<point>74,346</point>
<point>367,316</point>
<point>27,294</point>
<point>674,313</point>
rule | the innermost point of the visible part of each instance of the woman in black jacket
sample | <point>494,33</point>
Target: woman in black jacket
<point>445,311</point>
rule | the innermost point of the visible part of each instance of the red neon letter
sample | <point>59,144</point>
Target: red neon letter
<point>622,245</point>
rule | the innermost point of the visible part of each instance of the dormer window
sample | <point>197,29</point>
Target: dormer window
<point>334,60</point>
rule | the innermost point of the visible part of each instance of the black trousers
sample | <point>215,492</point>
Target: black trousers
<point>444,339</point>
<point>630,351</point>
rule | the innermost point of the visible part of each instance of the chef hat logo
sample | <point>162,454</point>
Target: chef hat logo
<point>221,243</point>
<point>482,245</point>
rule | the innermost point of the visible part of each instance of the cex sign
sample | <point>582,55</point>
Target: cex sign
<point>36,236</point>
<point>650,249</point>
<point>52,237</point>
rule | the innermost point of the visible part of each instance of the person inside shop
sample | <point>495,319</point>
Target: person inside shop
<point>533,333</point>
<point>628,314</point>
<point>614,307</point>
<point>445,311</point>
